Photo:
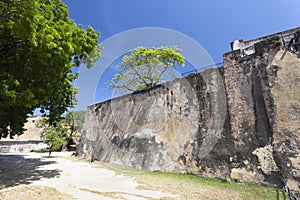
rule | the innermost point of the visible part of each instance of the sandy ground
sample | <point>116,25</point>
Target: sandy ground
<point>82,180</point>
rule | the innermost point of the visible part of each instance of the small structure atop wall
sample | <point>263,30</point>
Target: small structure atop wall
<point>289,39</point>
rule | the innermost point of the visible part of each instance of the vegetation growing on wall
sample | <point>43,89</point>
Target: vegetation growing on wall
<point>146,67</point>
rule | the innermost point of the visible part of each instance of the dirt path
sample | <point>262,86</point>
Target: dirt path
<point>82,180</point>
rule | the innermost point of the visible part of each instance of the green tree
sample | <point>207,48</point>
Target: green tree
<point>74,121</point>
<point>39,46</point>
<point>56,135</point>
<point>146,67</point>
<point>64,132</point>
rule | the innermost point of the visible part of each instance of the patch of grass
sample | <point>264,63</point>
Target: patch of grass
<point>192,187</point>
<point>120,169</point>
<point>110,166</point>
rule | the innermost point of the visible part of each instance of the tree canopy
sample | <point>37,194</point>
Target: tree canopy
<point>64,132</point>
<point>39,46</point>
<point>74,120</point>
<point>56,136</point>
<point>146,67</point>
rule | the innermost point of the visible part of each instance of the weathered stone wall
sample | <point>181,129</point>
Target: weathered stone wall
<point>241,121</point>
<point>156,129</point>
<point>263,103</point>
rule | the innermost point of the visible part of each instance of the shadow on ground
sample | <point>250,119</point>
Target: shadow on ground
<point>17,169</point>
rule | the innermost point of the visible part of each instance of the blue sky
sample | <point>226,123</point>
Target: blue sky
<point>212,24</point>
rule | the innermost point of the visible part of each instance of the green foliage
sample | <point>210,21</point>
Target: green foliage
<point>75,120</point>
<point>146,67</point>
<point>56,136</point>
<point>64,132</point>
<point>39,46</point>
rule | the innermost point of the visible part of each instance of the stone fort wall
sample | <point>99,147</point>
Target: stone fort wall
<point>240,121</point>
